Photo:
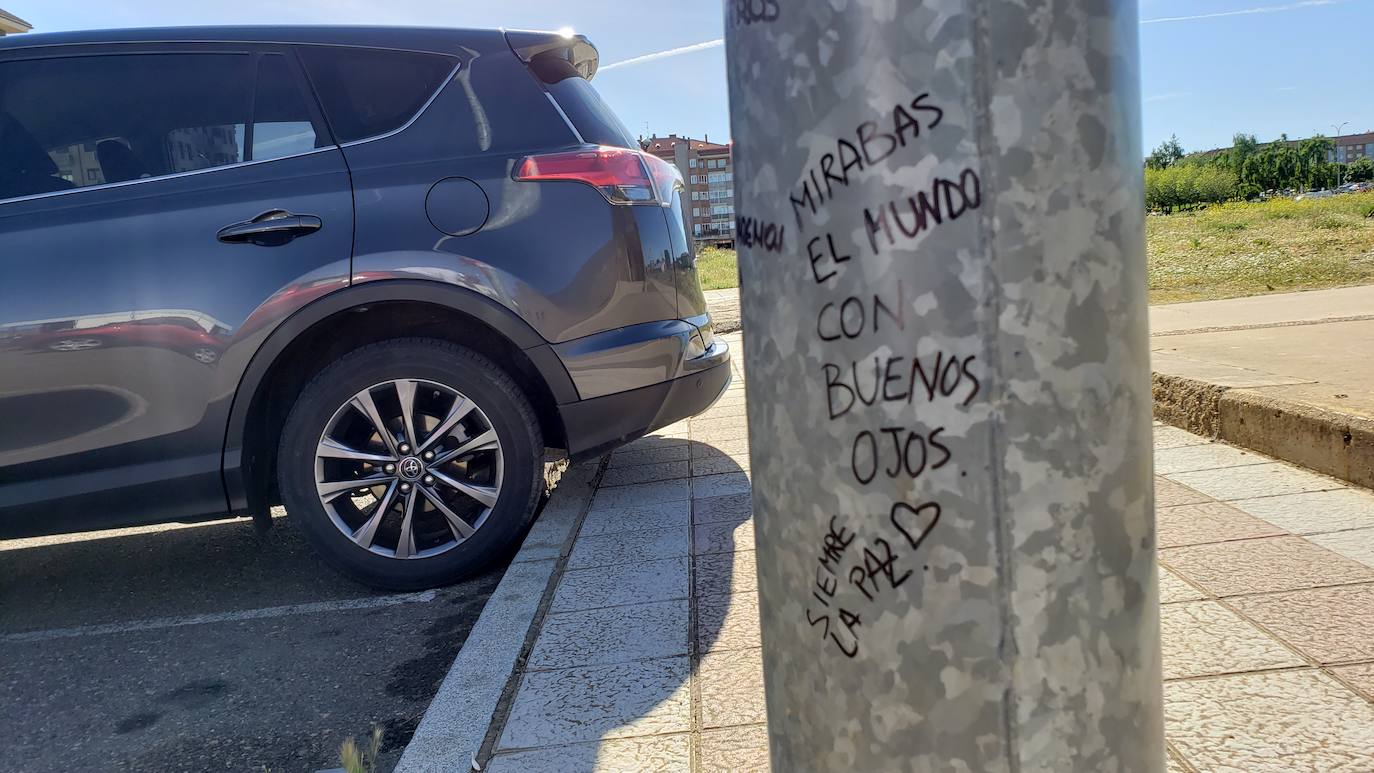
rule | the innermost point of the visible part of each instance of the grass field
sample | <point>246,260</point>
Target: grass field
<point>1226,251</point>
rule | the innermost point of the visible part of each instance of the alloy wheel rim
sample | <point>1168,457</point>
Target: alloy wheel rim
<point>409,468</point>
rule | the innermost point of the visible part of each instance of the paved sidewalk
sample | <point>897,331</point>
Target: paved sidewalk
<point>649,657</point>
<point>1314,348</point>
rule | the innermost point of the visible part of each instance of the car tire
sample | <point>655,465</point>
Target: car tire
<point>334,421</point>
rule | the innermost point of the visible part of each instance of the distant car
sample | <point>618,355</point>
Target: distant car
<point>1323,194</point>
<point>431,256</point>
<point>175,333</point>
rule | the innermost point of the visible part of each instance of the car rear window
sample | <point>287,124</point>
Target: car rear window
<point>593,119</point>
<point>370,91</point>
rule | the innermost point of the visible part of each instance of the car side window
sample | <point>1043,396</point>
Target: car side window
<point>78,121</point>
<point>369,91</point>
<point>281,118</point>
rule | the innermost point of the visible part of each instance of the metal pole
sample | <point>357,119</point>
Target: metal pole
<point>1336,152</point>
<point>940,217</point>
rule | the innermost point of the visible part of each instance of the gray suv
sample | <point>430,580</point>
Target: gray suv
<point>372,274</point>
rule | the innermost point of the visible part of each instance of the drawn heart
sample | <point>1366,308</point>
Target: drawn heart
<point>921,519</point>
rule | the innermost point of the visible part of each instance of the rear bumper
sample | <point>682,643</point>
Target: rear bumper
<point>601,423</point>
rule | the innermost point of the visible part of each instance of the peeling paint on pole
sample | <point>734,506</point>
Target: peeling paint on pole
<point>943,291</point>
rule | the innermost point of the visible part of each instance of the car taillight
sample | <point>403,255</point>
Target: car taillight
<point>623,176</point>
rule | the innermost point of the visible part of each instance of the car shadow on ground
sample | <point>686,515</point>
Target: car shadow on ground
<point>160,571</point>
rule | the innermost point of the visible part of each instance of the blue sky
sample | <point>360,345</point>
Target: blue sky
<point>1210,67</point>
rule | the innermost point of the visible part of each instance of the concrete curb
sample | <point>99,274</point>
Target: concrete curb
<point>456,722</point>
<point>724,307</point>
<point>1337,444</point>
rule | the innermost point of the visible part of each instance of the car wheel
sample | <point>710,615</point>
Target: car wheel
<point>411,463</point>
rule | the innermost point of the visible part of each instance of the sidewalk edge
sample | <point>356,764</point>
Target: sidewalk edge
<point>1336,444</point>
<point>461,711</point>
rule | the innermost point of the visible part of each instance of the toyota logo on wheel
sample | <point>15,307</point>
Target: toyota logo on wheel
<point>411,468</point>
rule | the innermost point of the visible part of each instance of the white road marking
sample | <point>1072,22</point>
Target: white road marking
<point>345,605</point>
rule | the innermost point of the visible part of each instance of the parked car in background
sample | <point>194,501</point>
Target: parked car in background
<point>369,273</point>
<point>175,333</point>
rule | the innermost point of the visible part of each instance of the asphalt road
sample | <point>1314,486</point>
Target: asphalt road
<point>208,647</point>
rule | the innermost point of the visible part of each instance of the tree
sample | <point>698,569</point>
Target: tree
<point>1166,155</point>
<point>1361,170</point>
<point>1312,162</point>
<point>1188,185</point>
<point>1243,146</point>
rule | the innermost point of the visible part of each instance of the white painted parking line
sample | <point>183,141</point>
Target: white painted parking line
<point>344,605</point>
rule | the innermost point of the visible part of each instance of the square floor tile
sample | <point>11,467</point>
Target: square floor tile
<point>609,586</point>
<point>1262,565</point>
<point>729,622</point>
<point>1274,722</point>
<point>726,429</point>
<point>726,573</point>
<point>1205,457</point>
<point>639,457</point>
<point>720,485</point>
<point>649,443</point>
<point>663,515</point>
<point>650,754</point>
<point>735,508</point>
<point>702,449</point>
<point>731,687</point>
<point>1329,625</point>
<point>1173,437</point>
<point>1169,494</point>
<point>722,537</point>
<point>735,750</point>
<point>732,396</point>
<point>615,635</point>
<point>647,697</point>
<point>1208,522</point>
<point>1361,677</point>
<point>736,408</point>
<point>628,546</point>
<point>678,429</point>
<point>640,494</point>
<point>1314,512</point>
<point>645,473</point>
<point>720,465</point>
<point>1255,480</point>
<point>1202,638</point>
<point>1172,589</point>
<point>1356,545</point>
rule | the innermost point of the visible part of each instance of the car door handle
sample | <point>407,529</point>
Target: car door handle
<point>275,226</point>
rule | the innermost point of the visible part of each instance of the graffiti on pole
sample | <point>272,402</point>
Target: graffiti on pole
<point>862,557</point>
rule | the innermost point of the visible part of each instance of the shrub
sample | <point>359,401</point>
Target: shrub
<point>1187,185</point>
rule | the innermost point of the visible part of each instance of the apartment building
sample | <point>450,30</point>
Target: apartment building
<point>1351,147</point>
<point>709,172</point>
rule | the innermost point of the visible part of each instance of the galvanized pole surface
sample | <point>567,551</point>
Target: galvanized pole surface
<point>940,218</point>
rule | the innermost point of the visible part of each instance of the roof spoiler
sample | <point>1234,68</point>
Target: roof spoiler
<point>576,49</point>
